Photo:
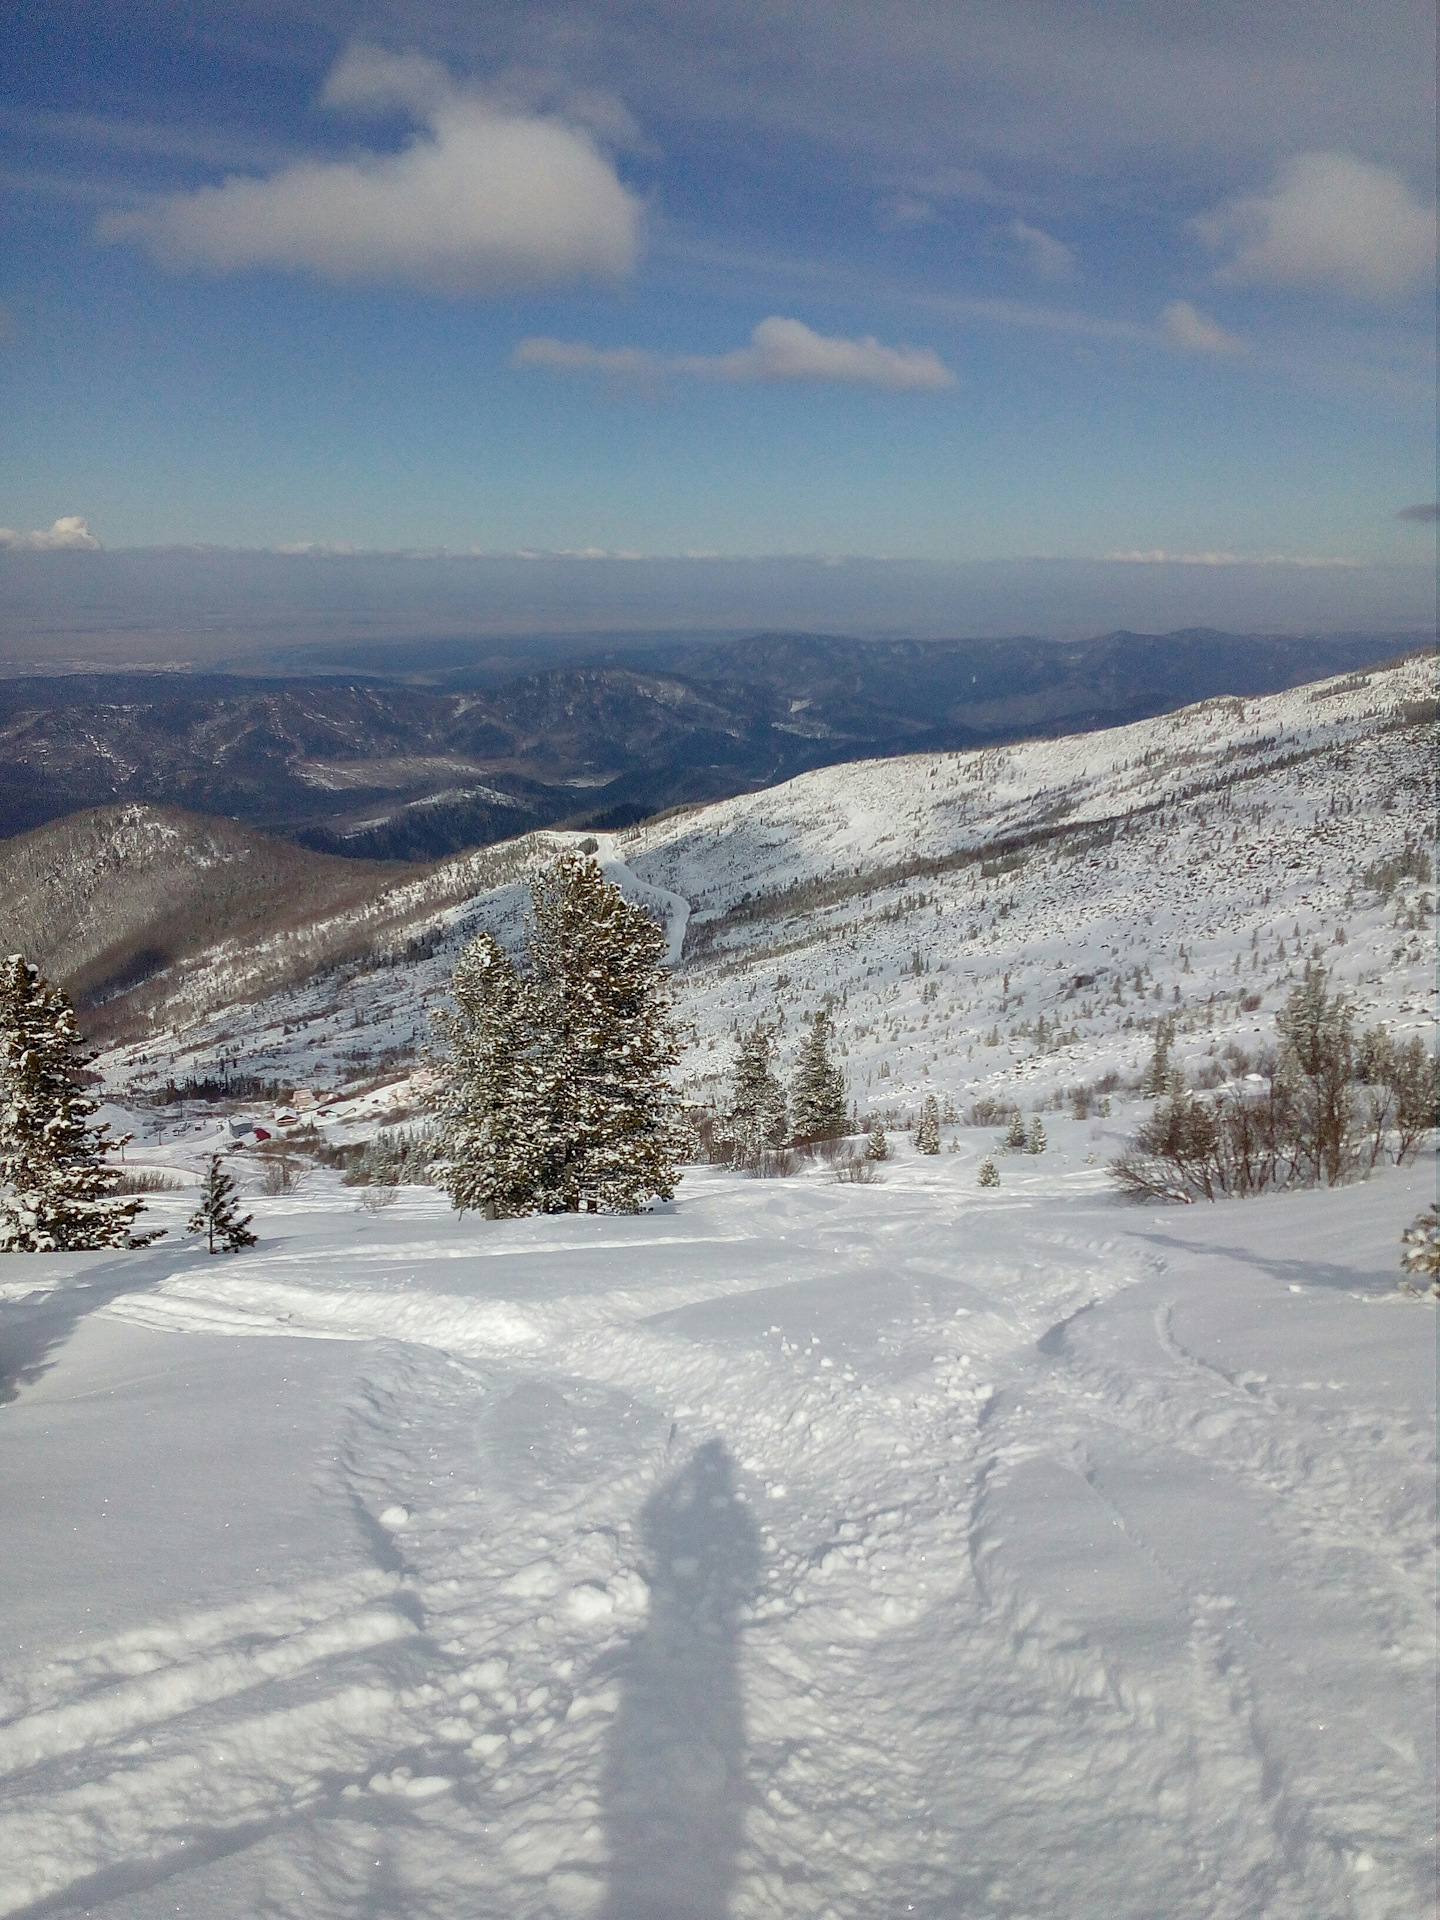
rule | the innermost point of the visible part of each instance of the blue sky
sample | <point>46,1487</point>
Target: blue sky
<point>958,282</point>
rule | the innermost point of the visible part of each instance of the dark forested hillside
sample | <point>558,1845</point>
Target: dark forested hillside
<point>389,769</point>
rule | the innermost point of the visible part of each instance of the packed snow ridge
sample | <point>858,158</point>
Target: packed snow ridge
<point>799,1548</point>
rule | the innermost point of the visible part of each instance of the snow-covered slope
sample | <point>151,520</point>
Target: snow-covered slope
<point>798,1550</point>
<point>978,921</point>
<point>803,1549</point>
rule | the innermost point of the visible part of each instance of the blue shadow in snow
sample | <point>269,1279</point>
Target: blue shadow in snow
<point>674,1786</point>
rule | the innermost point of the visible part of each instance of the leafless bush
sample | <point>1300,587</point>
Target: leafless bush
<point>854,1169</point>
<point>281,1170</point>
<point>777,1163</point>
<point>146,1180</point>
<point>1333,1109</point>
<point>374,1199</point>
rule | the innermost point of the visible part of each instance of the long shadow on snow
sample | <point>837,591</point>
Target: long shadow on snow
<point>674,1792</point>
<point>33,1332</point>
<point>1312,1273</point>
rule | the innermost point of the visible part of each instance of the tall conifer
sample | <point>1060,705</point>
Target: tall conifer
<point>756,1117</point>
<point>818,1096</point>
<point>558,1083</point>
<point>57,1181</point>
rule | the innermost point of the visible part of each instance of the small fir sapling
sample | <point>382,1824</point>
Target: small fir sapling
<point>1035,1138</point>
<point>1420,1260</point>
<point>877,1147</point>
<point>927,1133</point>
<point>1016,1138</point>
<point>217,1215</point>
<point>989,1174</point>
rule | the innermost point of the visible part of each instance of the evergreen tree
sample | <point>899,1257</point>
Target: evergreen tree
<point>57,1182</point>
<point>877,1147</point>
<point>217,1216</point>
<point>927,1134</point>
<point>756,1117</point>
<point>1035,1138</point>
<point>818,1096</point>
<point>1156,1078</point>
<point>491,1116</point>
<point>989,1174</point>
<point>558,1096</point>
<point>1420,1260</point>
<point>1016,1138</point>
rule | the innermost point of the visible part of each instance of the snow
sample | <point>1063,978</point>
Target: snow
<point>797,1549</point>
<point>946,904</point>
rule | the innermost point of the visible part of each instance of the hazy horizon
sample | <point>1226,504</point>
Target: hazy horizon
<point>70,610</point>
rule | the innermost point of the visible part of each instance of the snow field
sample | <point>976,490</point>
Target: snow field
<point>797,1549</point>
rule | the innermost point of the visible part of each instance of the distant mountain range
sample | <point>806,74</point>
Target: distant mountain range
<point>372,765</point>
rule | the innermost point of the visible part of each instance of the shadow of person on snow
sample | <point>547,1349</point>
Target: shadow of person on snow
<point>674,1794</point>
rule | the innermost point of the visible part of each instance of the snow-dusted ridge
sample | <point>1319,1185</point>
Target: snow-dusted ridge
<point>945,902</point>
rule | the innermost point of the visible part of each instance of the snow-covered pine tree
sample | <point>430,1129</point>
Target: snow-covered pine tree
<point>1035,1138</point>
<point>989,1174</point>
<point>817,1098</point>
<point>877,1147</point>
<point>756,1116</point>
<point>57,1182</point>
<point>217,1215</point>
<point>1157,1074</point>
<point>927,1133</point>
<point>612,1136</point>
<point>490,1115</point>
<point>1420,1260</point>
<point>558,1093</point>
<point>1015,1135</point>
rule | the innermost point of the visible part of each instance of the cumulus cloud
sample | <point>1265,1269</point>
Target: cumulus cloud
<point>1425,515</point>
<point>1046,257</point>
<point>1328,220</point>
<point>69,531</point>
<point>1191,331</point>
<point>779,350</point>
<point>486,197</point>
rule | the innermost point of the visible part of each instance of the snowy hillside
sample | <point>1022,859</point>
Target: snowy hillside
<point>982,922</point>
<point>803,1549</point>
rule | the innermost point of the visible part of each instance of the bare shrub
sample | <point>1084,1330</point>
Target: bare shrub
<point>777,1163</point>
<point>855,1169</point>
<point>374,1199</point>
<point>146,1180</point>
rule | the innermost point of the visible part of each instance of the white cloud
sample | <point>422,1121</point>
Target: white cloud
<point>488,197</point>
<point>779,350</point>
<point>1186,327</point>
<point>1046,257</point>
<point>1328,220</point>
<point>69,531</point>
<point>1159,557</point>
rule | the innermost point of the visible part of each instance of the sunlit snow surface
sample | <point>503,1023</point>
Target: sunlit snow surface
<point>799,1549</point>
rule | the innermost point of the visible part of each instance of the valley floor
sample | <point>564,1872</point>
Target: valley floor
<point>799,1549</point>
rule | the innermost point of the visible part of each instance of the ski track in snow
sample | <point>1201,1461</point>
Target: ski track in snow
<point>969,1554</point>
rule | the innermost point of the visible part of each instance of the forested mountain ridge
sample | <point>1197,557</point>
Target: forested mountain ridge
<point>380,768</point>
